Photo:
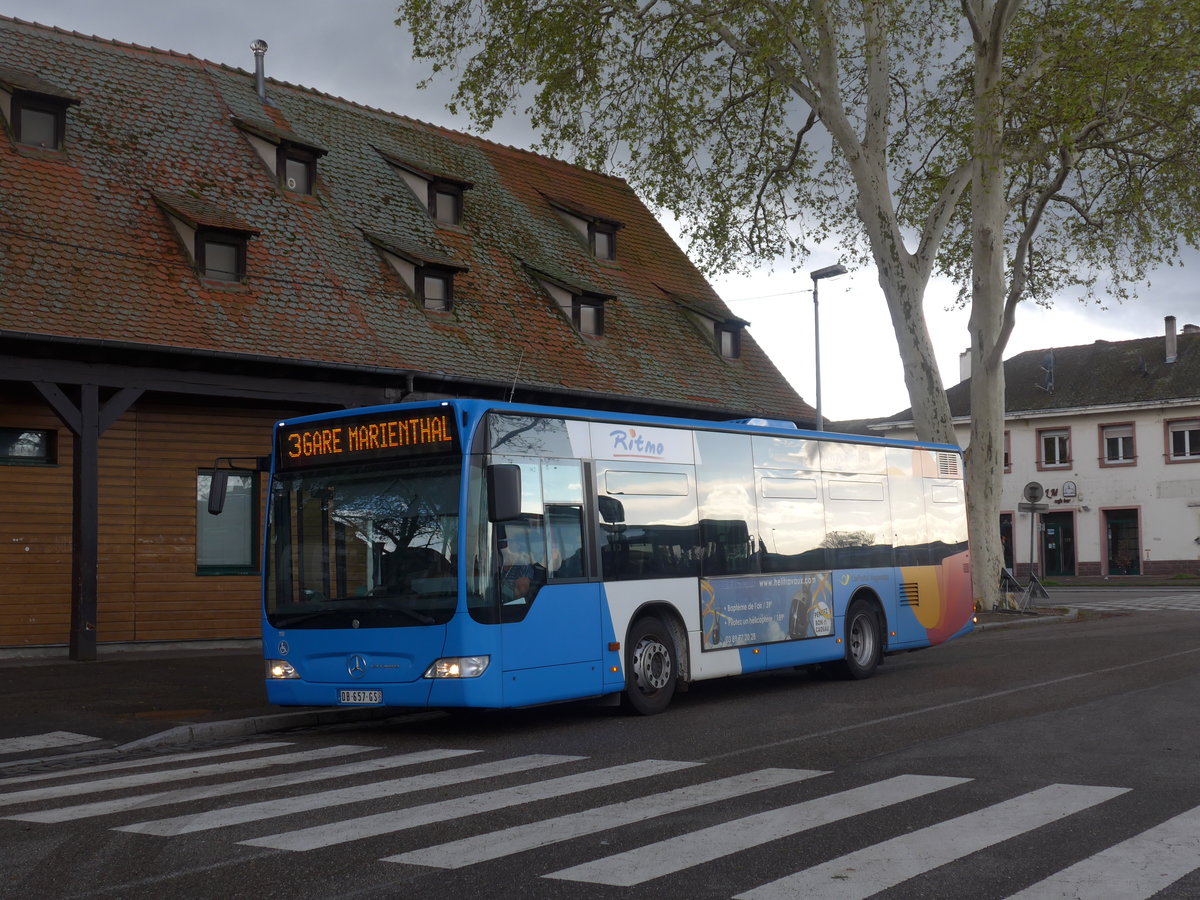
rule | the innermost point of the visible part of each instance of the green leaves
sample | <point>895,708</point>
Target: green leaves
<point>707,109</point>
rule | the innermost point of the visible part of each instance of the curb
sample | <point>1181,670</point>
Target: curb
<point>235,728</point>
<point>1070,616</point>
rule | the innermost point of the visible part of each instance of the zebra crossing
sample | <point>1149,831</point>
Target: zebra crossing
<point>1186,602</point>
<point>1137,867</point>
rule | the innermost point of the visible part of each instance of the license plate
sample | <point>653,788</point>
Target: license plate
<point>360,697</point>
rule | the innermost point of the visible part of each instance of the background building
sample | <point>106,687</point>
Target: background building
<point>1111,432</point>
<point>189,253</point>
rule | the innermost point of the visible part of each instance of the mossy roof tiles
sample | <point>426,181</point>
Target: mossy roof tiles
<point>86,250</point>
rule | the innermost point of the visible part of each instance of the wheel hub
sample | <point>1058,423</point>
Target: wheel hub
<point>651,665</point>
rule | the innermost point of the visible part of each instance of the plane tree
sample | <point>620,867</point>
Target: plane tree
<point>1027,149</point>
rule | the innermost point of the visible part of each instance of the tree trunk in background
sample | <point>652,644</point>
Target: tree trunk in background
<point>985,453</point>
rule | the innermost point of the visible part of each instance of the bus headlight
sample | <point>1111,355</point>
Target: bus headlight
<point>280,668</point>
<point>458,667</point>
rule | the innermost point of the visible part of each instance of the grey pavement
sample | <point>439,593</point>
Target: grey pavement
<point>133,698</point>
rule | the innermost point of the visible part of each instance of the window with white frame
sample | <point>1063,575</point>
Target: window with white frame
<point>1007,451</point>
<point>1184,440</point>
<point>1117,443</point>
<point>1055,445</point>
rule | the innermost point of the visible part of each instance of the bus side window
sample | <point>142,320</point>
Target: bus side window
<point>564,527</point>
<point>563,486</point>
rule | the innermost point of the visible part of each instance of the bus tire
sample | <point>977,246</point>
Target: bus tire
<point>864,642</point>
<point>651,667</point>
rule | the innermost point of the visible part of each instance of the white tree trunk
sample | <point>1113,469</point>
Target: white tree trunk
<point>985,454</point>
<point>930,409</point>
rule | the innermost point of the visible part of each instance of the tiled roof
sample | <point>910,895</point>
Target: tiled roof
<point>1105,373</point>
<point>86,250</point>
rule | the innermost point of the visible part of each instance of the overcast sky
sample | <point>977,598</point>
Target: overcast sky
<point>352,49</point>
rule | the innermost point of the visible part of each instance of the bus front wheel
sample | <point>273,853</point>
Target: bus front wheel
<point>864,643</point>
<point>651,667</point>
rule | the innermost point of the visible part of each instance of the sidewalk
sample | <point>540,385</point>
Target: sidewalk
<point>149,697</point>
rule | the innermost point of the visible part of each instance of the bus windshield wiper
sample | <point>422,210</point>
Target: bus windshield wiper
<point>298,618</point>
<point>339,614</point>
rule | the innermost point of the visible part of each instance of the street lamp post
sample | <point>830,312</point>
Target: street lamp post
<point>816,275</point>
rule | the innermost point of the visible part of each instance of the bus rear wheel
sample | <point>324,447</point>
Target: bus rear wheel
<point>651,667</point>
<point>864,643</point>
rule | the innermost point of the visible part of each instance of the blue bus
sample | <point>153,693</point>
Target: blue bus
<point>468,553</point>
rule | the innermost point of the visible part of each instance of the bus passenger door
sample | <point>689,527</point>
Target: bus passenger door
<point>550,610</point>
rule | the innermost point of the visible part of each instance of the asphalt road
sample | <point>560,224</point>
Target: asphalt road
<point>1055,761</point>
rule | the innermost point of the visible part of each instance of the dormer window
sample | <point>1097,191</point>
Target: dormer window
<point>728,339</point>
<point>39,121</point>
<point>435,288</point>
<point>583,308</point>
<point>36,110</point>
<point>440,194</point>
<point>602,238</point>
<point>445,201</point>
<point>723,330</point>
<point>427,273</point>
<point>221,254</point>
<point>297,168</point>
<point>291,158</point>
<point>215,239</point>
<point>587,314</point>
<point>599,232</point>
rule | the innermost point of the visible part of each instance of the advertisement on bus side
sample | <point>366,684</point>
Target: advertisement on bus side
<point>765,609</point>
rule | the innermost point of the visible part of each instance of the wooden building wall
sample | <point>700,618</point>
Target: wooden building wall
<point>148,586</point>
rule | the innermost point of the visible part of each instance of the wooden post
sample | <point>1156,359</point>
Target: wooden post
<point>87,421</point>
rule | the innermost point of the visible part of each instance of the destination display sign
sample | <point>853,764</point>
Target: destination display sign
<point>388,435</point>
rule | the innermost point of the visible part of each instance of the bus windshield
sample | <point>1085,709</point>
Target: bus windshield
<point>364,547</point>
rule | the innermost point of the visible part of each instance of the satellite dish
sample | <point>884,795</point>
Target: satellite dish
<point>1033,492</point>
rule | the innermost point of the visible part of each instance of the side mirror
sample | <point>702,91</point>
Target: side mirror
<point>504,492</point>
<point>216,491</point>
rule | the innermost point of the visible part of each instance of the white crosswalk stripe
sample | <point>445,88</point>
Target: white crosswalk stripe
<point>1132,870</point>
<point>1136,868</point>
<point>270,809</point>
<point>206,791</point>
<point>146,762</point>
<point>390,822</point>
<point>128,781</point>
<point>51,740</point>
<point>679,853</point>
<point>1189,602</point>
<point>520,838</point>
<point>879,867</point>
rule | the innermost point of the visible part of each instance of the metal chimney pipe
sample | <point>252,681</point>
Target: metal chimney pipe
<point>260,79</point>
<point>1172,345</point>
